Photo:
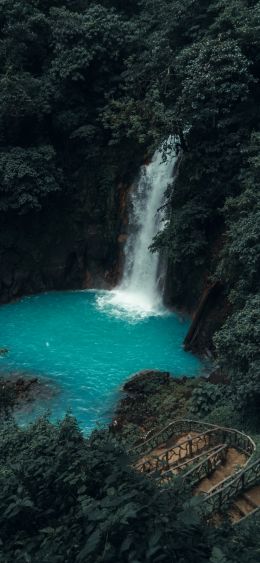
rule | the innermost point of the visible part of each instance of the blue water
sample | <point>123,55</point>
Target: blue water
<point>87,352</point>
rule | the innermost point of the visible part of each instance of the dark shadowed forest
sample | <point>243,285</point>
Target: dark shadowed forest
<point>88,91</point>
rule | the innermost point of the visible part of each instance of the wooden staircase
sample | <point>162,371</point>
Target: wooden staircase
<point>244,505</point>
<point>237,496</point>
<point>234,461</point>
<point>213,461</point>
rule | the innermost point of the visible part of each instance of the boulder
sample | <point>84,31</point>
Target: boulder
<point>146,381</point>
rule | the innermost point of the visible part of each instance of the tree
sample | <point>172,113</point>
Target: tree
<point>237,346</point>
<point>27,176</point>
<point>69,499</point>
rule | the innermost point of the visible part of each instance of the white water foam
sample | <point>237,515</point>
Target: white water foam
<point>140,293</point>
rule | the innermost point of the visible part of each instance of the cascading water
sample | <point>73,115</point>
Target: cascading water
<point>139,292</point>
<point>102,337</point>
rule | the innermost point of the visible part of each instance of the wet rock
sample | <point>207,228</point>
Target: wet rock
<point>217,377</point>
<point>146,381</point>
<point>135,406</point>
<point>211,313</point>
<point>18,390</point>
<point>151,399</point>
<point>122,238</point>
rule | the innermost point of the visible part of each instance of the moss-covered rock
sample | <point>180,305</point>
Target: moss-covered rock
<point>152,399</point>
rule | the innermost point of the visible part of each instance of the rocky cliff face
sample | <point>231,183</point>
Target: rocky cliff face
<point>44,252</point>
<point>191,289</point>
<point>74,242</point>
<point>210,315</point>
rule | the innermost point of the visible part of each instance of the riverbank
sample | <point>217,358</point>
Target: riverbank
<point>18,391</point>
<point>152,399</point>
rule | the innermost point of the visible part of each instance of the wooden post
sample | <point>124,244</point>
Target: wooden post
<point>190,445</point>
<point>220,499</point>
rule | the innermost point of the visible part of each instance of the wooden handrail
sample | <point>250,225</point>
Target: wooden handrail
<point>162,461</point>
<point>210,453</point>
<point>154,440</point>
<point>255,512</point>
<point>228,488</point>
<point>233,477</point>
<point>221,494</point>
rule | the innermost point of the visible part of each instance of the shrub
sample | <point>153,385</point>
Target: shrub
<point>205,397</point>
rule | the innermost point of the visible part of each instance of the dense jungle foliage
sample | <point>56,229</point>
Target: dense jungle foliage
<point>103,83</point>
<point>96,82</point>
<point>67,499</point>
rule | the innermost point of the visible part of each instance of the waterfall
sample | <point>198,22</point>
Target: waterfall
<point>140,292</point>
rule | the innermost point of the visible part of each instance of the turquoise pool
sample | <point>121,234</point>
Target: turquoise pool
<point>87,349</point>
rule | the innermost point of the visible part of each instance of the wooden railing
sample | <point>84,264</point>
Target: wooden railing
<point>229,436</point>
<point>211,439</point>
<point>220,497</point>
<point>176,427</point>
<point>197,472</point>
<point>186,449</point>
<point>254,514</point>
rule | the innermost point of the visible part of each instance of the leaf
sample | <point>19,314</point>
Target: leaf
<point>218,556</point>
<point>91,545</point>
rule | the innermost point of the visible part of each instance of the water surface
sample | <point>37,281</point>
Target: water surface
<point>88,349</point>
